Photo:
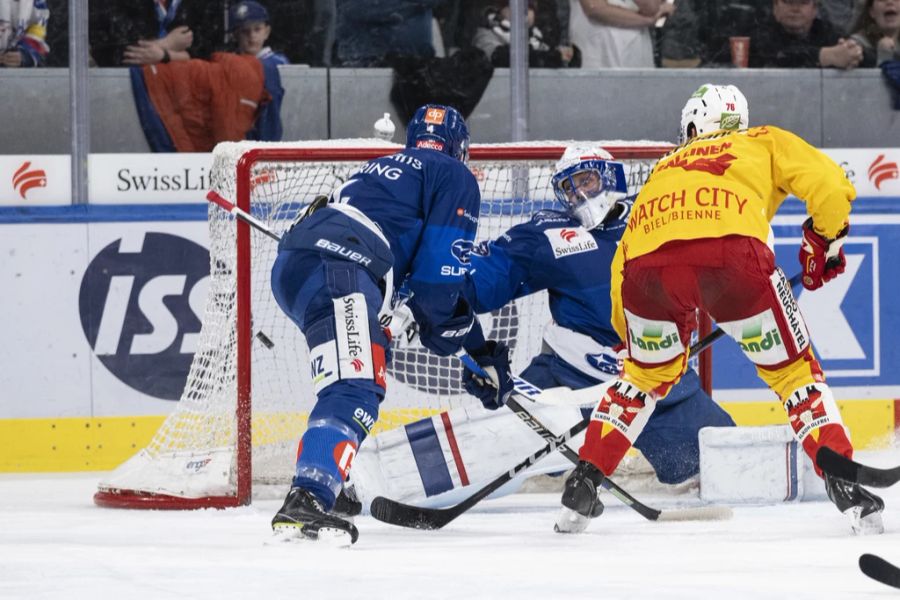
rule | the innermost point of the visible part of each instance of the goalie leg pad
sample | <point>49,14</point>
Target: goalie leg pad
<point>669,441</point>
<point>615,424</point>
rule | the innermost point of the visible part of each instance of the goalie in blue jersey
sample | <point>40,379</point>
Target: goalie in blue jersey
<point>400,219</point>
<point>568,253</point>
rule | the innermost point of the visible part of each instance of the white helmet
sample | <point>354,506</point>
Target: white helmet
<point>588,183</point>
<point>714,107</point>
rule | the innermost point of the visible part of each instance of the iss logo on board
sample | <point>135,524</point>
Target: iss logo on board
<point>141,302</point>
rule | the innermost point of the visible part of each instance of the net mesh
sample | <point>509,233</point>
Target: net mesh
<point>420,384</point>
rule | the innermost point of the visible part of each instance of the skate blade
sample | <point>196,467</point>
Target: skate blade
<point>570,521</point>
<point>294,534</point>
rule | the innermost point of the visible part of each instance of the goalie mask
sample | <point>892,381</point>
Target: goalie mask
<point>588,183</point>
<point>439,128</point>
<point>714,107</point>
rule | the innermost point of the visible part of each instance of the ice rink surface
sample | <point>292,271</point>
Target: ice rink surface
<point>54,544</point>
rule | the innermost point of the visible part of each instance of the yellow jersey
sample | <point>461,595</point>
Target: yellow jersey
<point>731,183</point>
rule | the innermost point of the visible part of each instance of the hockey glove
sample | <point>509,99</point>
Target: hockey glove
<point>821,259</point>
<point>496,389</point>
<point>447,337</point>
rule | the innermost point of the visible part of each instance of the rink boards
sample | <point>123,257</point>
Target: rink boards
<point>102,305</point>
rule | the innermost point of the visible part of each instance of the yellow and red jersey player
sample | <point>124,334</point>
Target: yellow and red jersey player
<point>699,238</point>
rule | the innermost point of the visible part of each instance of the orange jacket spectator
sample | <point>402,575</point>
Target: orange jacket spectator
<point>202,103</point>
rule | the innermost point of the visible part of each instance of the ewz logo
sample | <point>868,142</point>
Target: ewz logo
<point>141,302</point>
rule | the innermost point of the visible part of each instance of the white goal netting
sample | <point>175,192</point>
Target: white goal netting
<point>194,458</point>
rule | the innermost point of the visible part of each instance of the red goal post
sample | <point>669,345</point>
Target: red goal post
<point>245,402</point>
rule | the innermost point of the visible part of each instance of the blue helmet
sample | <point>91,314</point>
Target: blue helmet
<point>440,128</point>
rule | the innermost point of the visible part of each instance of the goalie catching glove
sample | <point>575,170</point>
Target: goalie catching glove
<point>820,258</point>
<point>494,390</point>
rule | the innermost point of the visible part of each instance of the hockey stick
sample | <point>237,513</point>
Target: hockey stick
<point>702,513</point>
<point>838,465</point>
<point>405,515</point>
<point>417,517</point>
<point>227,206</point>
<point>880,570</point>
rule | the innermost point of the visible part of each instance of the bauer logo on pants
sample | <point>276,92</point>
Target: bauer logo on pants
<point>141,302</point>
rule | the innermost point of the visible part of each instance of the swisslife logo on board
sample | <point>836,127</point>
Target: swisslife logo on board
<point>34,180</point>
<point>872,171</point>
<point>149,178</point>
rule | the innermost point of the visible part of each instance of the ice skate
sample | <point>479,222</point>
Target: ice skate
<point>303,517</point>
<point>579,499</point>
<point>347,504</point>
<point>861,506</point>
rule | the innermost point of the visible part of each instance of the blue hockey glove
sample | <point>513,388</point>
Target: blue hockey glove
<point>495,389</point>
<point>446,337</point>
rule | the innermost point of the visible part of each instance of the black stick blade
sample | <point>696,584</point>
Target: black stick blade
<point>404,515</point>
<point>838,465</point>
<point>880,570</point>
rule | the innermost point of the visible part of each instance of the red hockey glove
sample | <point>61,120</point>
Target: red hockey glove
<point>821,259</point>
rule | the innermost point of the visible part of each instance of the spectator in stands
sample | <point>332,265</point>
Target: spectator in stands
<point>877,31</point>
<point>146,32</point>
<point>23,33</point>
<point>493,38</point>
<point>249,22</point>
<point>797,37</point>
<point>679,40</point>
<point>840,13</point>
<point>616,33</point>
<point>304,30</point>
<point>370,33</point>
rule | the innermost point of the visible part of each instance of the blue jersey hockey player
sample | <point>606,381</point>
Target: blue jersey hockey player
<point>569,254</point>
<point>403,219</point>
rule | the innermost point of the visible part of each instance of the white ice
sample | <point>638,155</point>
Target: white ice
<point>54,543</point>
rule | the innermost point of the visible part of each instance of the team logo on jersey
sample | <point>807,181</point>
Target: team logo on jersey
<point>567,241</point>
<point>461,249</point>
<point>807,409</point>
<point>880,170</point>
<point>435,116</point>
<point>604,363</point>
<point>620,405</point>
<point>140,302</point>
<point>25,179</point>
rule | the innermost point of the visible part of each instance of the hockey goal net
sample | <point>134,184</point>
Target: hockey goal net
<point>244,406</point>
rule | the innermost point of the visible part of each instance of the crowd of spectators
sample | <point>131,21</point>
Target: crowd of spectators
<point>561,33</point>
<point>440,50</point>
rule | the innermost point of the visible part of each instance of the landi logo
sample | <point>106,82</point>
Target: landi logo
<point>141,302</point>
<point>25,178</point>
<point>881,170</point>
